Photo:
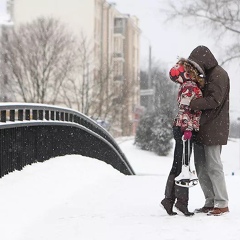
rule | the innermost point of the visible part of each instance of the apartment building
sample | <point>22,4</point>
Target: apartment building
<point>115,42</point>
<point>5,26</point>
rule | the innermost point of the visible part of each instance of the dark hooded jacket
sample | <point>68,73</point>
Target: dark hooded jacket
<point>214,123</point>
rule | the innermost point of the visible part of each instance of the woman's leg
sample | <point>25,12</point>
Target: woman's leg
<point>169,199</point>
<point>181,193</point>
<point>172,191</point>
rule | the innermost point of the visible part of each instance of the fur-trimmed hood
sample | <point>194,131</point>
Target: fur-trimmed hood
<point>185,71</point>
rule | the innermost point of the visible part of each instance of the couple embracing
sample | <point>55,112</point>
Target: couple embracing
<point>203,121</point>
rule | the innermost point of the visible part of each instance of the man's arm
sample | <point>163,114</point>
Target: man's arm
<point>217,89</point>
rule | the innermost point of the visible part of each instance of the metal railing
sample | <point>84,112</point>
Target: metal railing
<point>37,132</point>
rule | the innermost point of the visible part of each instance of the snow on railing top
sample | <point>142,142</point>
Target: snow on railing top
<point>27,114</point>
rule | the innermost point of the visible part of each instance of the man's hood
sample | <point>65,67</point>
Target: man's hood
<point>203,59</point>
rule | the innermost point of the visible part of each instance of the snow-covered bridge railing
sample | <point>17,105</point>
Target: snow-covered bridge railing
<point>36,132</point>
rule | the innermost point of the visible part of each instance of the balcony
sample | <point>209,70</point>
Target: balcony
<point>118,78</point>
<point>119,30</point>
<point>146,92</point>
<point>118,56</point>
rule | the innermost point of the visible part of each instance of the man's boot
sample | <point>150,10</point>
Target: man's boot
<point>169,199</point>
<point>182,195</point>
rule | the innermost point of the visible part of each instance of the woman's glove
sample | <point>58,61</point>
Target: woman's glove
<point>187,135</point>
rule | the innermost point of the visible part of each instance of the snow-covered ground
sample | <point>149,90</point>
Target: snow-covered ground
<point>79,198</point>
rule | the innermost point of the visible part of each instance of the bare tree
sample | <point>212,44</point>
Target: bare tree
<point>165,92</point>
<point>129,90</point>
<point>77,89</point>
<point>223,16</point>
<point>105,91</point>
<point>91,89</point>
<point>40,56</point>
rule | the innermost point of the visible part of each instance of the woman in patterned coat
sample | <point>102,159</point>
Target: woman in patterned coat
<point>185,126</point>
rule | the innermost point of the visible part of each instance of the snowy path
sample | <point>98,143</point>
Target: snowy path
<point>74,197</point>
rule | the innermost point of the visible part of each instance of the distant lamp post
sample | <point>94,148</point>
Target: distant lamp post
<point>149,92</point>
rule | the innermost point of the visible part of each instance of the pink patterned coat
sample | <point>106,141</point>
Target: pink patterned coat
<point>186,118</point>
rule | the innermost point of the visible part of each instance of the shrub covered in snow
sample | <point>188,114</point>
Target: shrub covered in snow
<point>154,133</point>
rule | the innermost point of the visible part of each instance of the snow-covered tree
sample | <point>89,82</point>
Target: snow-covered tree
<point>144,133</point>
<point>154,132</point>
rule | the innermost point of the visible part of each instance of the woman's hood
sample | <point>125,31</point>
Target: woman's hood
<point>201,57</point>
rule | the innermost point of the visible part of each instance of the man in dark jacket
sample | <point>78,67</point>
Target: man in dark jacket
<point>214,131</point>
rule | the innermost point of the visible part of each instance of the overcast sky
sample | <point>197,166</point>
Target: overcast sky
<point>169,40</point>
<point>172,39</point>
<point>3,13</point>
